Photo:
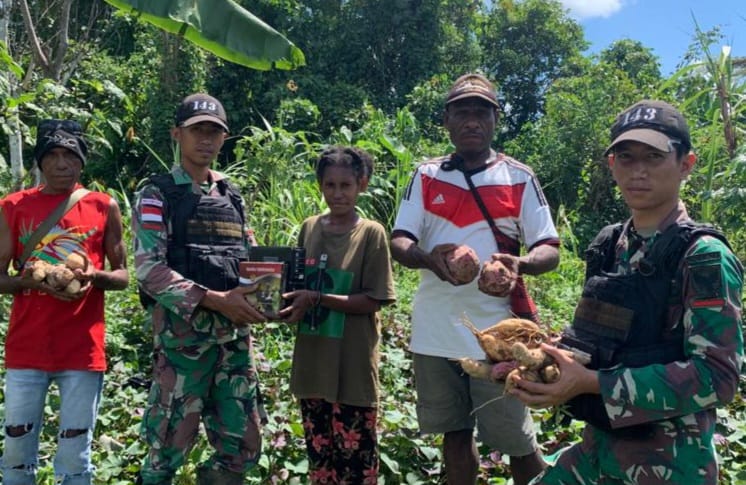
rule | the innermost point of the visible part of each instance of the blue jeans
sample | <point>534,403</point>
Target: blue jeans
<point>25,394</point>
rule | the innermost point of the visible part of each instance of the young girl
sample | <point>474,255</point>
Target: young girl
<point>335,362</point>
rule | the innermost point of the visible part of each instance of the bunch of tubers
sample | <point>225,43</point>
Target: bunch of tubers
<point>60,276</point>
<point>512,349</point>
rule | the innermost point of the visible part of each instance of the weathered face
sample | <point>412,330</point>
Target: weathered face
<point>649,179</point>
<point>340,188</point>
<point>61,169</point>
<point>471,125</point>
<point>199,143</point>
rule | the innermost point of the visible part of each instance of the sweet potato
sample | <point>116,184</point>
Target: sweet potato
<point>485,369</point>
<point>76,261</point>
<point>463,263</point>
<point>496,279</point>
<point>531,359</point>
<point>73,287</point>
<point>59,276</point>
<point>550,373</point>
<point>39,269</point>
<point>481,369</point>
<point>496,341</point>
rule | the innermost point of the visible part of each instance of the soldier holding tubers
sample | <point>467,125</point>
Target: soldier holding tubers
<point>659,316</point>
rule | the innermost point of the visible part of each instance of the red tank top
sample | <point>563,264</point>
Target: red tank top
<point>46,333</point>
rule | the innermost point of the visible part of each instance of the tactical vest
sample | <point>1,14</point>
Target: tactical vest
<point>206,238</point>
<point>621,319</point>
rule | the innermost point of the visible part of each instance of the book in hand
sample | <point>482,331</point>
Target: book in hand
<point>269,276</point>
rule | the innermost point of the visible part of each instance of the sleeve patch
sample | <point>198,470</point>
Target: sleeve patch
<point>706,286</point>
<point>706,282</point>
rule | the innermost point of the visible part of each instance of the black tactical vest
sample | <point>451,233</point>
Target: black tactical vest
<point>622,318</point>
<point>205,238</point>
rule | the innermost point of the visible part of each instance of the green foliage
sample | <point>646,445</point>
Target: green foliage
<point>298,113</point>
<point>565,146</point>
<point>398,145</point>
<point>274,166</point>
<point>636,60</point>
<point>713,96</point>
<point>557,291</point>
<point>526,46</point>
<point>426,102</point>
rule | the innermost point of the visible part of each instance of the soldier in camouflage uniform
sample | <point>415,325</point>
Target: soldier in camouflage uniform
<point>190,234</point>
<point>650,403</point>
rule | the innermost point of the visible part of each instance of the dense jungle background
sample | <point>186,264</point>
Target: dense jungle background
<point>375,76</point>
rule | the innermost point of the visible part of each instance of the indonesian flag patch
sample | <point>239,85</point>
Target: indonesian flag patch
<point>151,214</point>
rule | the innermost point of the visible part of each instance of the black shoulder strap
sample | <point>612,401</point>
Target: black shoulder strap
<point>171,191</point>
<point>227,188</point>
<point>667,251</point>
<point>180,200</point>
<point>600,252</point>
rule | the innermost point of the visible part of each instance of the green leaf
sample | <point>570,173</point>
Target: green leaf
<point>222,27</point>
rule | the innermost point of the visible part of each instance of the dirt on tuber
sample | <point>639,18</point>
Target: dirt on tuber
<point>463,263</point>
<point>496,279</point>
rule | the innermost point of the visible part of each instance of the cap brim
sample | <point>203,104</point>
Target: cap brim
<point>654,138</point>
<point>473,95</point>
<point>199,118</point>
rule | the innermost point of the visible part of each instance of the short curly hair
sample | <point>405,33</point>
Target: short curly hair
<point>360,161</point>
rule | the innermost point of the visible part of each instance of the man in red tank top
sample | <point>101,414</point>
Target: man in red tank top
<point>56,329</point>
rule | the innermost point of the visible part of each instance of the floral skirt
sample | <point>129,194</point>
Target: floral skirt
<point>341,441</point>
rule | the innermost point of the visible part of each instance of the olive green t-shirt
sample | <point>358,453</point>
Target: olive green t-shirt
<point>345,370</point>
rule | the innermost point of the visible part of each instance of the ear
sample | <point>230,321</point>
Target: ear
<point>611,160</point>
<point>176,133</point>
<point>687,164</point>
<point>363,184</point>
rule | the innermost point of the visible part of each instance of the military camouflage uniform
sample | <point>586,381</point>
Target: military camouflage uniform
<point>680,397</point>
<point>202,364</point>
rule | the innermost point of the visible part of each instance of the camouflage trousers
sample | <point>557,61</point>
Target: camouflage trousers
<point>601,459</point>
<point>213,383</point>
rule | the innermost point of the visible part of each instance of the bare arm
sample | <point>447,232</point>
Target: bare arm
<point>406,251</point>
<point>539,260</point>
<point>117,278</point>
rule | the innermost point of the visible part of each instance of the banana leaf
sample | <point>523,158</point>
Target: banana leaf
<point>222,27</point>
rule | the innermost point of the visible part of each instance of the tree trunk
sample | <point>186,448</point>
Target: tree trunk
<point>15,141</point>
